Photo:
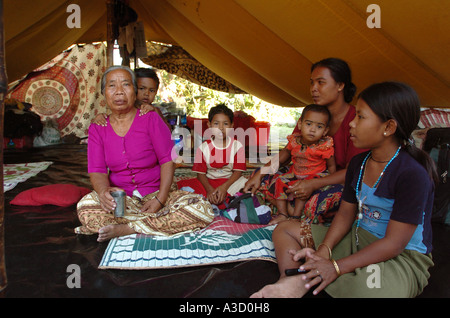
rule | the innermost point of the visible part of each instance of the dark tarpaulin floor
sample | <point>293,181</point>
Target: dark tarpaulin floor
<point>40,245</point>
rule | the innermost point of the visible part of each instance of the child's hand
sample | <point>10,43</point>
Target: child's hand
<point>212,196</point>
<point>221,194</point>
<point>100,120</point>
<point>145,108</point>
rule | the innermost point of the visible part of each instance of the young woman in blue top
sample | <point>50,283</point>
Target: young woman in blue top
<point>379,242</point>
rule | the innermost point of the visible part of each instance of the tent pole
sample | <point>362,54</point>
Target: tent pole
<point>3,91</point>
<point>110,32</point>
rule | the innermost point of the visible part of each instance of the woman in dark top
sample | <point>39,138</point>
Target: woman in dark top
<point>332,87</point>
<point>389,191</point>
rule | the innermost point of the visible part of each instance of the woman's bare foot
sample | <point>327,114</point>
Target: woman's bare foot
<point>114,230</point>
<point>285,287</point>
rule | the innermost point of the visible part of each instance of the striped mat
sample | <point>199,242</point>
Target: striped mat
<point>223,241</point>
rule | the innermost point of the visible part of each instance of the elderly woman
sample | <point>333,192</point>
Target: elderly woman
<point>134,153</point>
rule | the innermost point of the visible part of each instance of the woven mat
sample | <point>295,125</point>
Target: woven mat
<point>223,241</point>
<point>16,173</point>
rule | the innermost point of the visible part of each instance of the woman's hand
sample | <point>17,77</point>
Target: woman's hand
<point>151,206</point>
<point>320,271</point>
<point>302,254</point>
<point>302,189</point>
<point>253,184</point>
<point>106,199</point>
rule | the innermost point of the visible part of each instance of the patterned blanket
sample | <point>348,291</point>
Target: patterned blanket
<point>66,89</point>
<point>222,241</point>
<point>16,173</point>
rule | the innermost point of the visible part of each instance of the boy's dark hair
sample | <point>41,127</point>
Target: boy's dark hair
<point>220,109</point>
<point>398,101</point>
<point>147,73</point>
<point>318,109</point>
<point>341,73</point>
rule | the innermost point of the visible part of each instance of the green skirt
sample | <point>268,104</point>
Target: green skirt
<point>404,276</point>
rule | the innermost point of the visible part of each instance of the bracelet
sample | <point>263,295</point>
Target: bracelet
<point>336,267</point>
<point>329,249</point>
<point>159,201</point>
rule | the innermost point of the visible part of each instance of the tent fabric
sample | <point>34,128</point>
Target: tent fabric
<point>67,89</point>
<point>177,61</point>
<point>264,47</point>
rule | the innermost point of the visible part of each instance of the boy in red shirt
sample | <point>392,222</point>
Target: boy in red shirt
<point>219,162</point>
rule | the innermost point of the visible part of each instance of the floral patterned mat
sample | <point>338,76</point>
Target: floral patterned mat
<point>16,173</point>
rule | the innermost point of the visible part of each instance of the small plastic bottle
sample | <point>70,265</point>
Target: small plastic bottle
<point>178,136</point>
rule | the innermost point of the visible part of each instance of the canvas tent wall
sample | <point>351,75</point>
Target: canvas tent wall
<point>264,47</point>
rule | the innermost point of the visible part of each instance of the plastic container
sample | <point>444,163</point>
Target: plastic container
<point>262,132</point>
<point>177,136</point>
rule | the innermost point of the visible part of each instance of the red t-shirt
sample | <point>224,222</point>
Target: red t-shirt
<point>344,150</point>
<point>219,163</point>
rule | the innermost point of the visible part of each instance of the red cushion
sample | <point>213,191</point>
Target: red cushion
<point>54,194</point>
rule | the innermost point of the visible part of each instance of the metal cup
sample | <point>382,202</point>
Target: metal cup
<point>119,198</point>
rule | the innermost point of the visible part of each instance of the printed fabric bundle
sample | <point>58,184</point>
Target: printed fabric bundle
<point>246,208</point>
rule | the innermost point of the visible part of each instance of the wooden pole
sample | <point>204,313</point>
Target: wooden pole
<point>110,32</point>
<point>3,91</point>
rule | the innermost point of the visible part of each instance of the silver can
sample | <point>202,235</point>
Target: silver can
<point>120,199</point>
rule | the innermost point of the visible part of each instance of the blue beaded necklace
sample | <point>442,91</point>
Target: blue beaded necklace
<point>359,186</point>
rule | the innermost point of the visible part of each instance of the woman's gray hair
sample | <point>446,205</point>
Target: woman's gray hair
<point>118,67</point>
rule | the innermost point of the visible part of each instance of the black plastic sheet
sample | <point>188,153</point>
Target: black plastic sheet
<point>40,245</point>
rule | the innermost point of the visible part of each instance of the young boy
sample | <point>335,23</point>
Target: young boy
<point>219,162</point>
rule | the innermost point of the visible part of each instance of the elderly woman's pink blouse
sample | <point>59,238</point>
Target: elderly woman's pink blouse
<point>134,160</point>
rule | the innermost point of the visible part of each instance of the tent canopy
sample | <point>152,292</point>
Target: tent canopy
<point>264,47</point>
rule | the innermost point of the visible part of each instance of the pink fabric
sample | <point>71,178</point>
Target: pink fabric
<point>134,161</point>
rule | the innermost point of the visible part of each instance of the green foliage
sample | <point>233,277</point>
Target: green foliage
<point>197,101</point>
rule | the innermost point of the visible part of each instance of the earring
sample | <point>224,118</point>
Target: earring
<point>385,133</point>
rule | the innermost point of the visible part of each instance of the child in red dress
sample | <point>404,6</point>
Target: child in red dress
<point>312,155</point>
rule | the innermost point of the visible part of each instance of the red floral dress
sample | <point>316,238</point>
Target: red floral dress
<point>309,161</point>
